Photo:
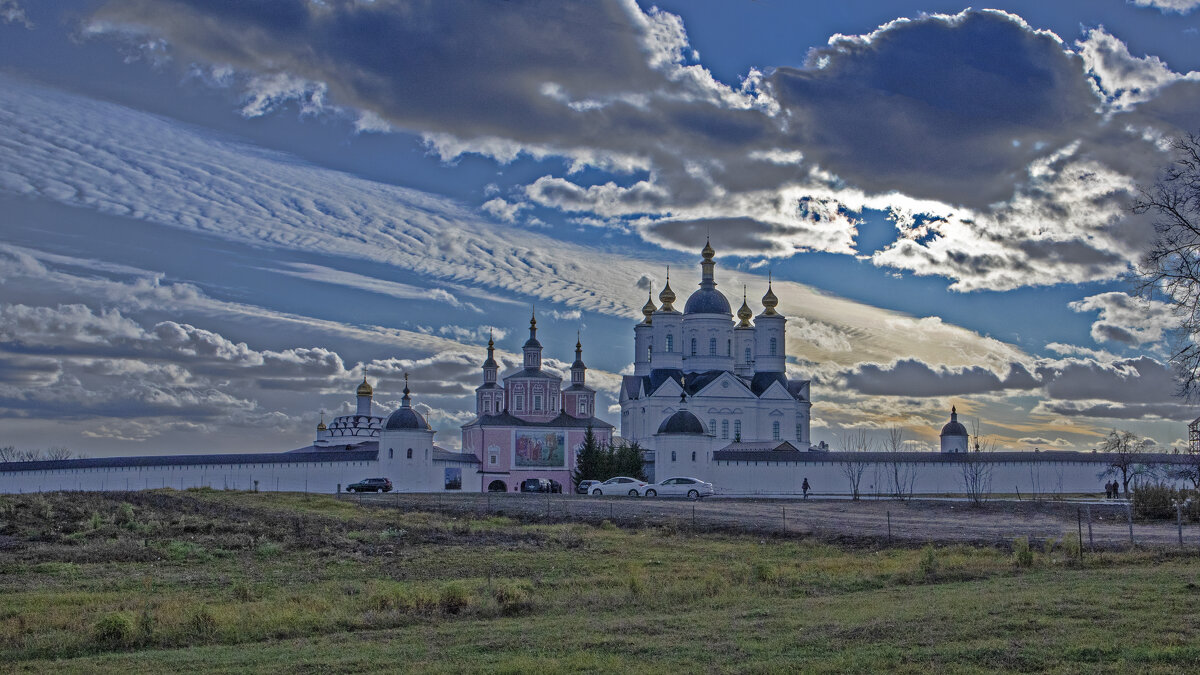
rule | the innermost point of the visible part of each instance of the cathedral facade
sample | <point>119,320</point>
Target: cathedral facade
<point>727,372</point>
<point>527,424</point>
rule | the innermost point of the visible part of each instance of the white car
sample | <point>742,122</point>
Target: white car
<point>621,485</point>
<point>679,486</point>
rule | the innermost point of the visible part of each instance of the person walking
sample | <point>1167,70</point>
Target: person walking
<point>804,487</point>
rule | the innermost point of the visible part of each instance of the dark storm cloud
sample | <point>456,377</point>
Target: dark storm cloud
<point>913,378</point>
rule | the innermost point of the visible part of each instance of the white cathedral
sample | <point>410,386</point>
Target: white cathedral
<point>717,380</point>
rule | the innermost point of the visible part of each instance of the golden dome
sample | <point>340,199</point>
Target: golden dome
<point>769,301</point>
<point>321,426</point>
<point>744,312</point>
<point>364,389</point>
<point>707,251</point>
<point>648,308</point>
<point>667,296</point>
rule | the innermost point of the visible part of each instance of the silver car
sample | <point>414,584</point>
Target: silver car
<point>679,486</point>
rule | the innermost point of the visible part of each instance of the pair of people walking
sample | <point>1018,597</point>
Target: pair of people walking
<point>1112,490</point>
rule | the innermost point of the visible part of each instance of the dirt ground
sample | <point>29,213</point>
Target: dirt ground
<point>911,522</point>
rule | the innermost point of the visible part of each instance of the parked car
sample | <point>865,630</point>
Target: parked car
<point>585,486</point>
<point>370,485</point>
<point>678,486</point>
<point>541,485</point>
<point>621,485</point>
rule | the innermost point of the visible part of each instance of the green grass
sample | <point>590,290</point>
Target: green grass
<point>240,582</point>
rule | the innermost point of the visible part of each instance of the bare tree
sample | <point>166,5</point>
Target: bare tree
<point>1125,451</point>
<point>10,453</point>
<point>58,453</point>
<point>853,464</point>
<point>1188,467</point>
<point>975,467</point>
<point>901,474</point>
<point>1171,268</point>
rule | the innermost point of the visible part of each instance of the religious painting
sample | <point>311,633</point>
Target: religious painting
<point>541,449</point>
<point>453,478</point>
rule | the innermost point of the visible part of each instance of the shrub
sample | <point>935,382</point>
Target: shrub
<point>512,598</point>
<point>97,521</point>
<point>125,514</point>
<point>182,550</point>
<point>202,624</point>
<point>244,592</point>
<point>1155,501</point>
<point>454,598</point>
<point>268,549</point>
<point>1022,554</point>
<point>765,572</point>
<point>929,562</point>
<point>114,630</point>
<point>1071,545</point>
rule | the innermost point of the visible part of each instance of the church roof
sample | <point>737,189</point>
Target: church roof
<point>563,420</point>
<point>682,422</point>
<point>534,373</point>
<point>578,387</point>
<point>406,418</point>
<point>707,301</point>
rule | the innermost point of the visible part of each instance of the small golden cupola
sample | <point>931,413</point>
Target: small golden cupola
<point>667,296</point>
<point>364,389</point>
<point>648,308</point>
<point>321,426</point>
<point>769,300</point>
<point>744,313</point>
<point>707,252</point>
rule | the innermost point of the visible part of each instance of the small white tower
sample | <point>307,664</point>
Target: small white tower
<point>770,353</point>
<point>364,394</point>
<point>954,434</point>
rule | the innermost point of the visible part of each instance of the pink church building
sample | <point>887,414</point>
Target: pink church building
<point>530,426</point>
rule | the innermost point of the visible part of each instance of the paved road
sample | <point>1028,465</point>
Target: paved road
<point>909,522</point>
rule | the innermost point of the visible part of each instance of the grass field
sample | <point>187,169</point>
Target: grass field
<point>237,582</point>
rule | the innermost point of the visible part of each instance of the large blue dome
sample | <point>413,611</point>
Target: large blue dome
<point>707,301</point>
<point>406,418</point>
<point>682,422</point>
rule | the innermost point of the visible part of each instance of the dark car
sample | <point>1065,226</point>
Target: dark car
<point>541,485</point>
<point>370,485</point>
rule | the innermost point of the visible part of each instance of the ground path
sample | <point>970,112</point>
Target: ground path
<point>905,522</point>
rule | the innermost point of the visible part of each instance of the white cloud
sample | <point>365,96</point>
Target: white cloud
<point>1124,318</point>
<point>1168,6</point>
<point>11,11</point>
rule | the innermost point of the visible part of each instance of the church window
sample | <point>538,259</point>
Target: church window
<point>773,346</point>
<point>729,348</point>
<point>775,430</point>
<point>649,352</point>
<point>581,406</point>
<point>693,455</point>
<point>712,426</point>
<point>693,346</point>
<point>391,453</point>
<point>724,428</point>
<point>799,428</point>
<point>518,402</point>
<point>487,405</point>
<point>712,346</point>
<point>737,428</point>
<point>670,342</point>
<point>410,453</point>
<point>747,355</point>
<point>537,402</point>
<point>672,455</point>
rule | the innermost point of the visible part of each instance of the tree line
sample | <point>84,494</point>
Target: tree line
<point>600,461</point>
<point>10,453</point>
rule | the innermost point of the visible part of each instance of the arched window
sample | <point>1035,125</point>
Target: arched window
<point>391,452</point>
<point>693,455</point>
<point>410,453</point>
<point>775,430</point>
<point>729,348</point>
<point>670,342</point>
<point>672,455</point>
<point>712,426</point>
<point>747,355</point>
<point>712,346</point>
<point>737,429</point>
<point>724,428</point>
<point>773,346</point>
<point>693,346</point>
<point>649,352</point>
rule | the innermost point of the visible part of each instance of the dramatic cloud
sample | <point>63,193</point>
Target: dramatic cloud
<point>913,378</point>
<point>980,126</point>
<point>1124,318</point>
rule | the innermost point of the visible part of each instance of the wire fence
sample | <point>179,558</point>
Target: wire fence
<point>1098,527</point>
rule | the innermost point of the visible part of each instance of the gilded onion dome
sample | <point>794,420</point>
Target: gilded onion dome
<point>707,252</point>
<point>364,389</point>
<point>744,312</point>
<point>769,300</point>
<point>667,296</point>
<point>648,308</point>
<point>321,426</point>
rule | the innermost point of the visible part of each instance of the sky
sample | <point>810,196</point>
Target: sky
<point>213,215</point>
